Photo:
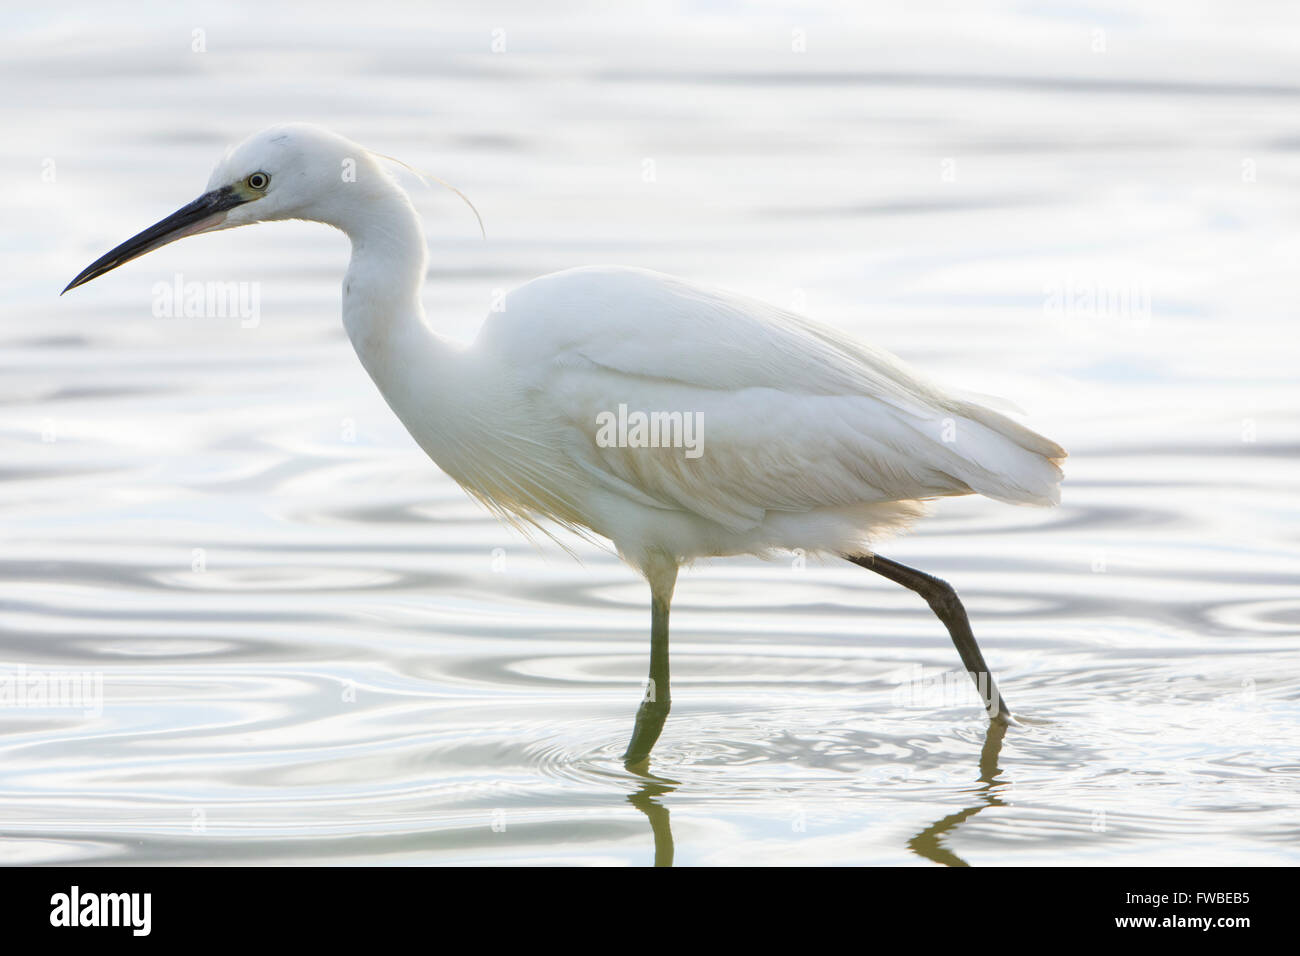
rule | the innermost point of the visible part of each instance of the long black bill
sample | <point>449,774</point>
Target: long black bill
<point>204,213</point>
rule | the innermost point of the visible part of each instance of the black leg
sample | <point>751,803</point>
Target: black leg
<point>652,713</point>
<point>947,606</point>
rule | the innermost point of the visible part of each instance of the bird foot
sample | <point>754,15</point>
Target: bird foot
<point>650,717</point>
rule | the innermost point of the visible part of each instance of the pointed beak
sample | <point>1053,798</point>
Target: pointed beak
<point>206,212</point>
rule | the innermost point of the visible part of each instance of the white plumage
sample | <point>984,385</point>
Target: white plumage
<point>811,440</point>
<point>807,438</point>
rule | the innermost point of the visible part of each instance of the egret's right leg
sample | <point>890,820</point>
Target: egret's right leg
<point>943,600</point>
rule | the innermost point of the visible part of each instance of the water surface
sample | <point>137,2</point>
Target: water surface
<point>313,648</point>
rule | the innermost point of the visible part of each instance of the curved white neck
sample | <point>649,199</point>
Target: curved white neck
<point>421,376</point>
<point>381,291</point>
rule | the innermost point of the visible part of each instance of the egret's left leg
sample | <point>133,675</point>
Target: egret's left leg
<point>656,703</point>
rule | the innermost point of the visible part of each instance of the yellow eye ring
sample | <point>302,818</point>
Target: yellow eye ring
<point>258,181</point>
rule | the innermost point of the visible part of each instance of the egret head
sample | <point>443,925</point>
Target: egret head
<point>292,171</point>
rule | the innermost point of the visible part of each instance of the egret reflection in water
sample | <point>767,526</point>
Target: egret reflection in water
<point>929,843</point>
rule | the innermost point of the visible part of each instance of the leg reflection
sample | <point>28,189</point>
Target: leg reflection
<point>929,842</point>
<point>644,800</point>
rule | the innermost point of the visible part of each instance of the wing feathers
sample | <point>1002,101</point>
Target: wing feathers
<point>795,417</point>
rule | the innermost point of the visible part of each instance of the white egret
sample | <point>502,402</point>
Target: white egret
<point>750,429</point>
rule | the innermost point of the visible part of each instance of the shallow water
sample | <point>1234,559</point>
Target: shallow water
<point>313,648</point>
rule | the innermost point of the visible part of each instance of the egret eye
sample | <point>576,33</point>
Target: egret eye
<point>258,181</point>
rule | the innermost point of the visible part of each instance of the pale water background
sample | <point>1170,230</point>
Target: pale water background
<point>367,668</point>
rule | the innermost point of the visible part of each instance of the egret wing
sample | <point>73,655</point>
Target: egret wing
<point>763,410</point>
